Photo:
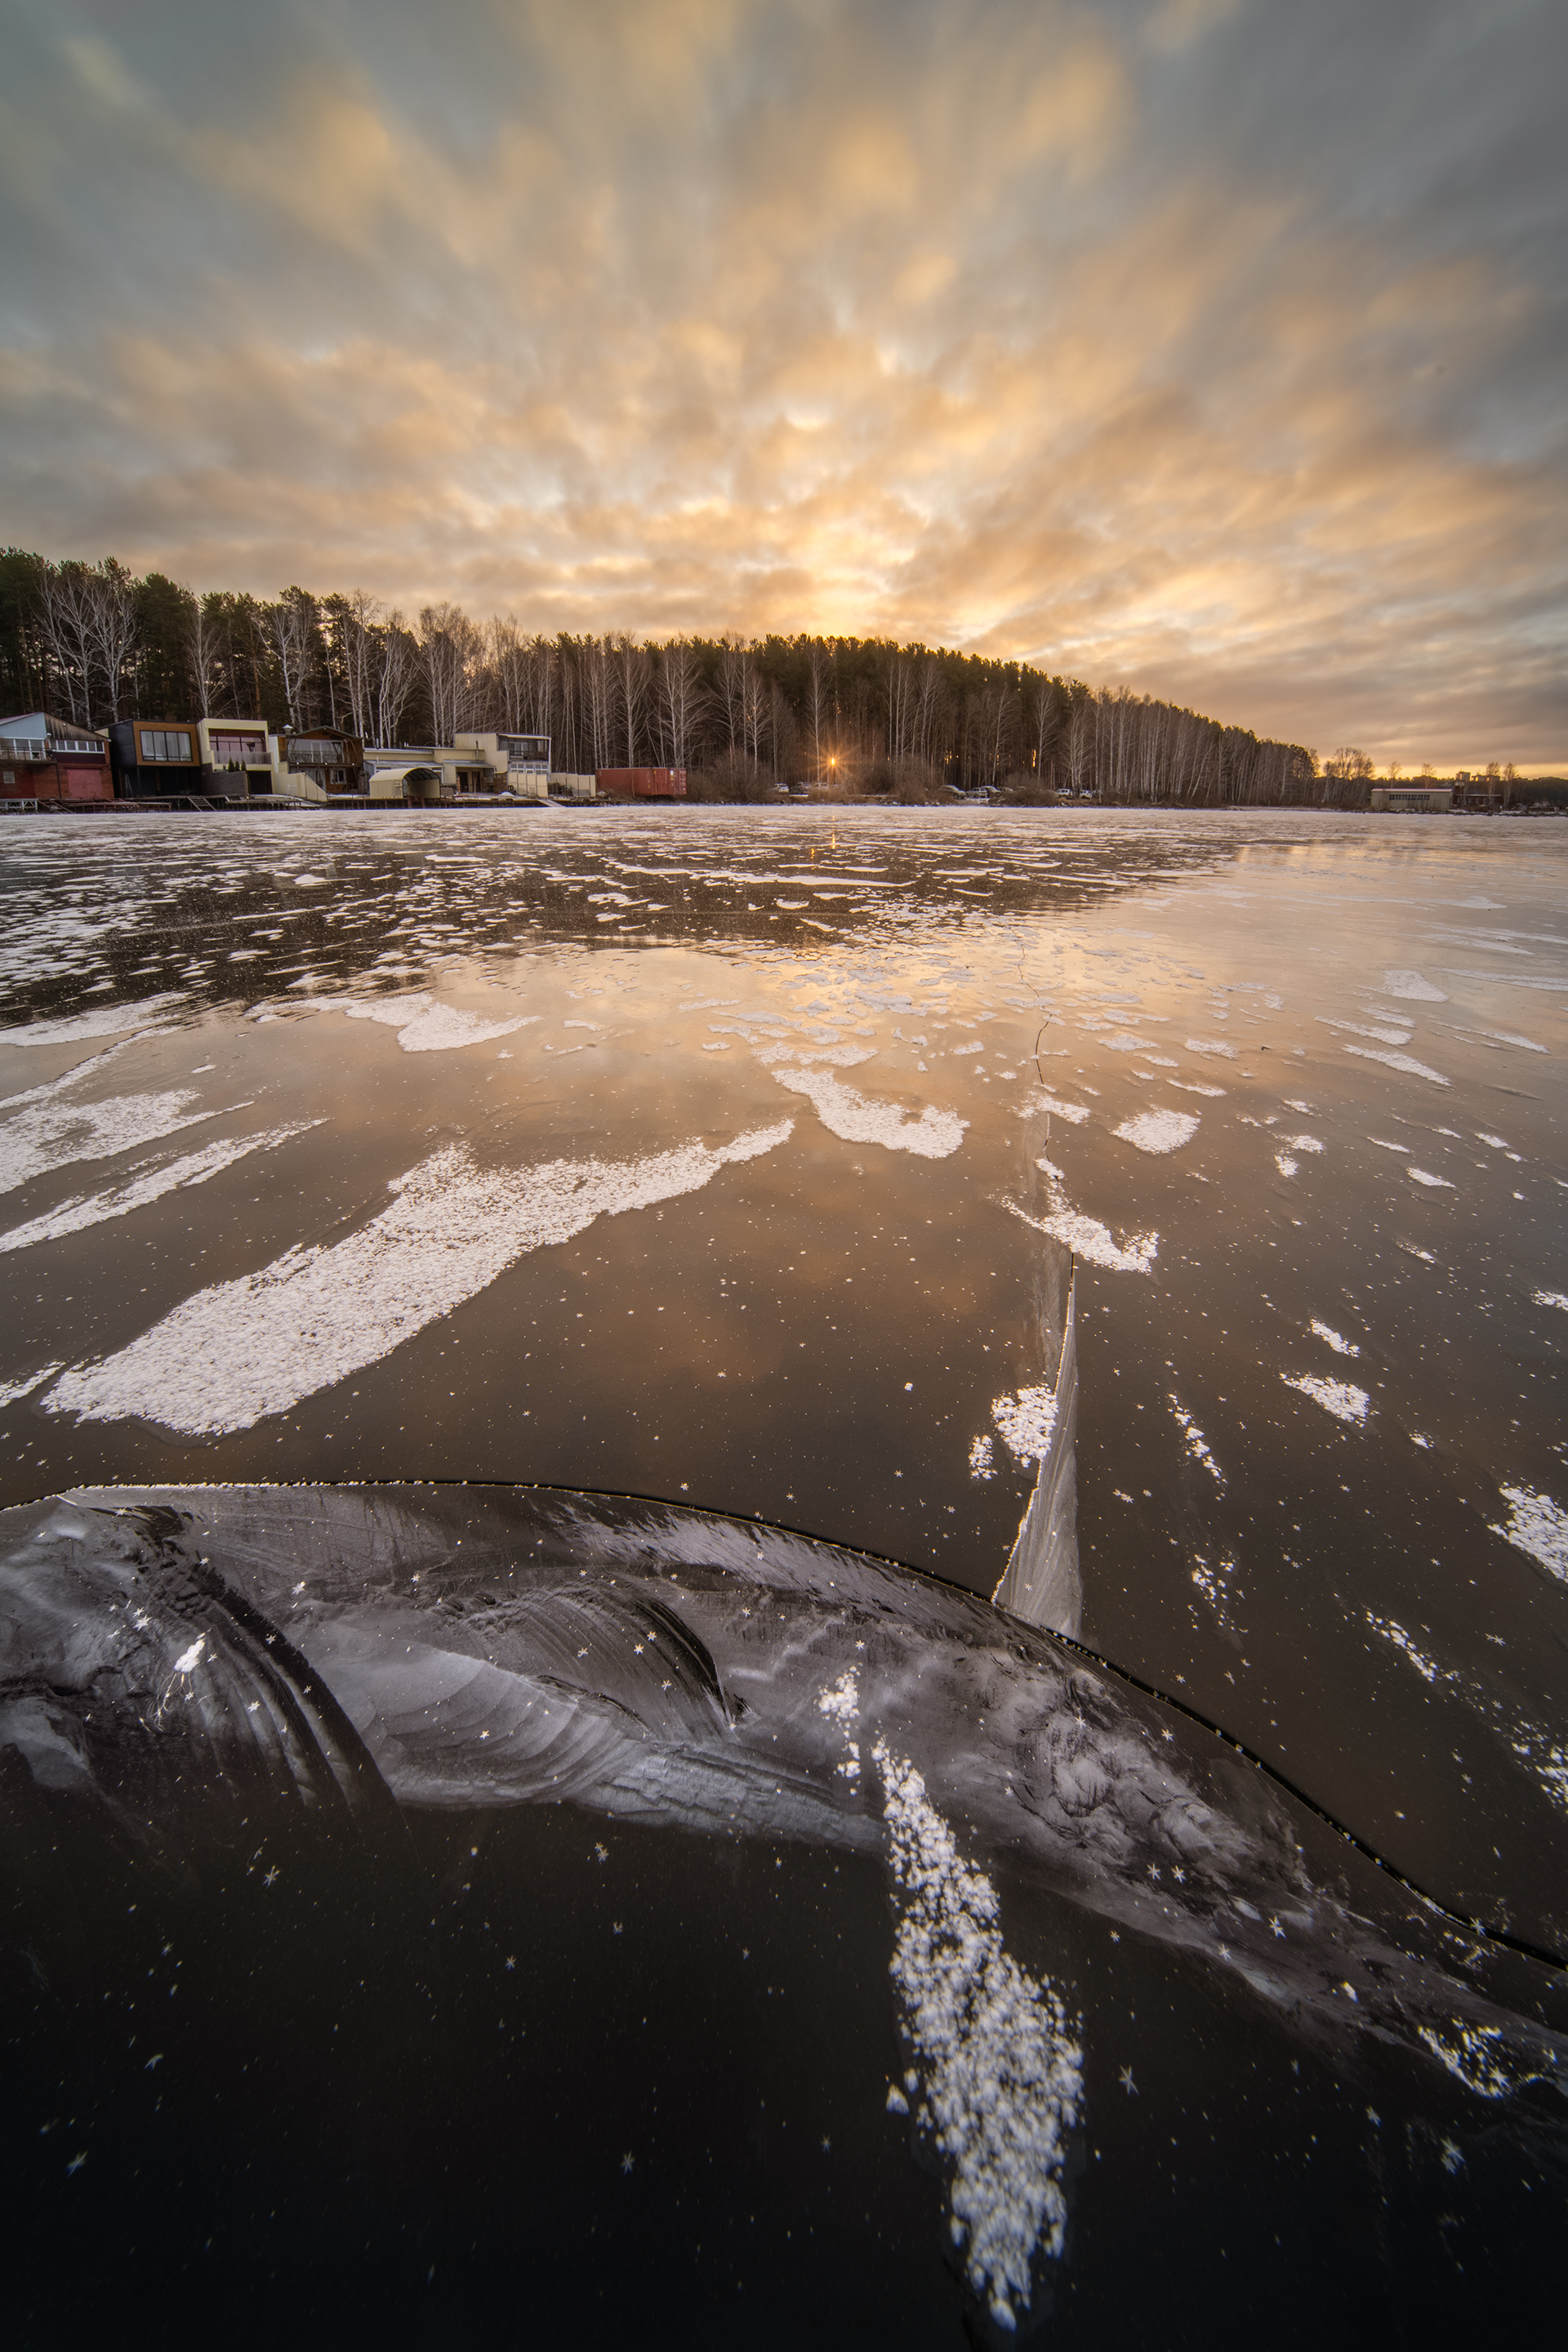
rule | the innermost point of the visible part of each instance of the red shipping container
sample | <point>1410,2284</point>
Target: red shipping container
<point>641,783</point>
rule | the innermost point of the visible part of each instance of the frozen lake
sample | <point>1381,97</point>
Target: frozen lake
<point>738,1160</point>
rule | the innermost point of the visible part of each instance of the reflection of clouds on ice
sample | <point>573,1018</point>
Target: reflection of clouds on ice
<point>1341,1398</point>
<point>1536,1525</point>
<point>240,1350</point>
<point>934,1135</point>
<point>119,1200</point>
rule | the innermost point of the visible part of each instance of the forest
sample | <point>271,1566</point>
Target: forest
<point>90,643</point>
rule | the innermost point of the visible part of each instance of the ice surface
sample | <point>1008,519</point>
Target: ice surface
<point>231,1354</point>
<point>1159,1130</point>
<point>119,1200</point>
<point>1341,1398</point>
<point>1537,1525</point>
<point>934,1135</point>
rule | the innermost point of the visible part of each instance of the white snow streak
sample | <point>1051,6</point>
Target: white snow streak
<point>1536,1525</point>
<point>119,1200</point>
<point>1411,985</point>
<point>934,1135</point>
<point>1399,1062</point>
<point>241,1349</point>
<point>53,1135</point>
<point>1341,1398</point>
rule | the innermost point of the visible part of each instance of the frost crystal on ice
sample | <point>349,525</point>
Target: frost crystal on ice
<point>1536,1525</point>
<point>1000,2076</point>
<point>1024,1422</point>
<point>1341,1398</point>
<point>981,1463</point>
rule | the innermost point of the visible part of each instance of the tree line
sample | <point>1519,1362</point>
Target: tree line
<point>93,642</point>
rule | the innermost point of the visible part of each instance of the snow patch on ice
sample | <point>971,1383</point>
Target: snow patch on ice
<point>1410,985</point>
<point>1211,1046</point>
<point>425,1025</point>
<point>1025,1421</point>
<point>982,1463</point>
<point>1537,1526</point>
<point>1340,1346</point>
<point>53,1135</point>
<point>1341,1398</point>
<point>1399,1062</point>
<point>1074,1113</point>
<point>11,1390</point>
<point>1087,1239</point>
<point>934,1135</point>
<point>1159,1130</point>
<point>240,1351</point>
<point>1550,1298</point>
<point>1435,1183</point>
<point>107,1021</point>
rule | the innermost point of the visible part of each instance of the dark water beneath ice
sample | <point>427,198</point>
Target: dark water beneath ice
<point>733,1161</point>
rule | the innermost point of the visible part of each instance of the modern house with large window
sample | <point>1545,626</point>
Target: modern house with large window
<point>154,759</point>
<point>325,758</point>
<point>43,760</point>
<point>238,756</point>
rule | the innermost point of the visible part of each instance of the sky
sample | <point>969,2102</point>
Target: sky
<point>1211,347</point>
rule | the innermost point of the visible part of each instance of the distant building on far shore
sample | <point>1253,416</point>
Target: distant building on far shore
<point>43,760</point>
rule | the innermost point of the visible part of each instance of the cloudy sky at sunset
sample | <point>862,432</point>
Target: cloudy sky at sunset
<point>1212,346</point>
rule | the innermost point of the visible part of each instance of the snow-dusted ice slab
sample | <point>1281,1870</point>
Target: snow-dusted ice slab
<point>934,1135</point>
<point>241,1349</point>
<point>427,1650</point>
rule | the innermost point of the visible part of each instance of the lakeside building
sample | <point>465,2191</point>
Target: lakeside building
<point>321,761</point>
<point>477,767</point>
<point>1437,799</point>
<point>43,760</point>
<point>238,757</point>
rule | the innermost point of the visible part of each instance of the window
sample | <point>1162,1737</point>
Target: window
<point>166,743</point>
<point>240,749</point>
